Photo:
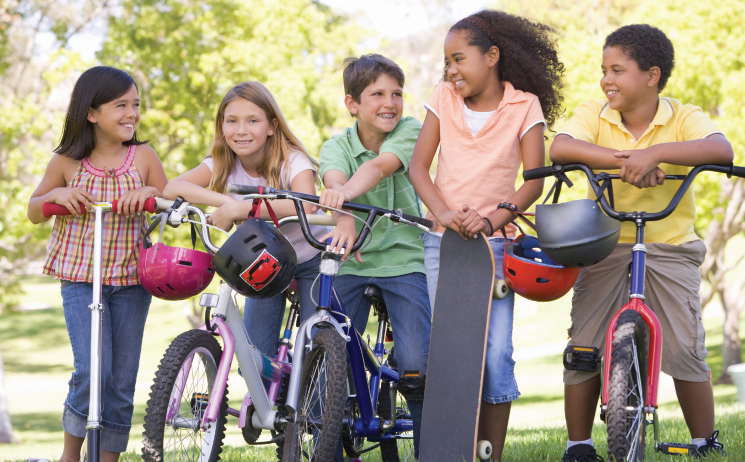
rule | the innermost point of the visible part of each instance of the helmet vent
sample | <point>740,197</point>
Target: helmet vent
<point>185,263</point>
<point>541,280</point>
<point>249,239</point>
<point>258,247</point>
<point>228,261</point>
<point>511,271</point>
<point>169,286</point>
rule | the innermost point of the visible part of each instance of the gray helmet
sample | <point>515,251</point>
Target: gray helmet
<point>576,234</point>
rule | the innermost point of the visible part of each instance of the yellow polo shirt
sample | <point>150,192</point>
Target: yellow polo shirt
<point>598,124</point>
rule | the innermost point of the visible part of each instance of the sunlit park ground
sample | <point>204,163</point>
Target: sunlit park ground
<point>38,361</point>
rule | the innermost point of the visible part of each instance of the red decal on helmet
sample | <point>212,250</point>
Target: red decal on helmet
<point>262,271</point>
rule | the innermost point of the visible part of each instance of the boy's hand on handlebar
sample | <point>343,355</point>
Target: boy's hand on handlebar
<point>343,236</point>
<point>637,166</point>
<point>654,178</point>
<point>133,200</point>
<point>331,198</point>
<point>70,198</point>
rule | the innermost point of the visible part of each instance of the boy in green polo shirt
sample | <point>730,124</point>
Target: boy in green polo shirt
<point>368,163</point>
<point>645,136</point>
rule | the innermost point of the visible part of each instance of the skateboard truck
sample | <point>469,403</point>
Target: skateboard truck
<point>580,358</point>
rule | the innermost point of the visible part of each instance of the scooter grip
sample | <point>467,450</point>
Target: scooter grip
<point>148,206</point>
<point>49,209</point>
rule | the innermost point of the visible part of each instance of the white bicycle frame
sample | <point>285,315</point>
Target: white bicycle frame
<point>227,320</point>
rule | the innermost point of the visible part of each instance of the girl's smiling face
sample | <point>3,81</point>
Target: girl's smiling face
<point>623,83</point>
<point>470,70</point>
<point>246,127</point>
<point>117,120</point>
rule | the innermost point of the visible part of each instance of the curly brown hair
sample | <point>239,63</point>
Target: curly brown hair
<point>528,57</point>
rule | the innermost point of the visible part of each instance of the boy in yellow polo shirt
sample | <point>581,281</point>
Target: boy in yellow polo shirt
<point>645,136</point>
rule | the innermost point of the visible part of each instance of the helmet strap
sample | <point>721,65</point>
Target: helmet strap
<point>256,208</point>
<point>603,182</point>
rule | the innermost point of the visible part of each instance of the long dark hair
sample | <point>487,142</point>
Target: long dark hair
<point>528,56</point>
<point>98,85</point>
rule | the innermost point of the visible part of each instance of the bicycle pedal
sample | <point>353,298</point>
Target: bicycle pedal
<point>676,449</point>
<point>580,358</point>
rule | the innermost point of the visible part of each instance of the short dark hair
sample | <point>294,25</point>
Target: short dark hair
<point>648,46</point>
<point>361,72</point>
<point>98,85</point>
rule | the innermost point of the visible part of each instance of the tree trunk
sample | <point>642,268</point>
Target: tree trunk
<point>6,429</point>
<point>716,268</point>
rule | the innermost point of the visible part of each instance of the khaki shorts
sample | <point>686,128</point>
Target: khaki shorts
<point>671,287</point>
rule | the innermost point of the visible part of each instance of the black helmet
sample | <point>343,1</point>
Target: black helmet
<point>576,234</point>
<point>257,260</point>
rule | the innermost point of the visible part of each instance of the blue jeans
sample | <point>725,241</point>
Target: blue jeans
<point>263,316</point>
<point>499,368</point>
<point>124,314</point>
<point>409,309</point>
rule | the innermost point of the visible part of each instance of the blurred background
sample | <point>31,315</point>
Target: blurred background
<point>184,56</point>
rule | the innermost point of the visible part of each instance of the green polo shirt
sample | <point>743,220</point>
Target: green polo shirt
<point>395,248</point>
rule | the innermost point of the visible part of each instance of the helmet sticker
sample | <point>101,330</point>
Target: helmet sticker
<point>262,271</point>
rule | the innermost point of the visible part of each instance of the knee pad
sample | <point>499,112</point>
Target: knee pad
<point>411,386</point>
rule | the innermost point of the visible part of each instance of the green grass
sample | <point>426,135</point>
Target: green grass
<point>38,362</point>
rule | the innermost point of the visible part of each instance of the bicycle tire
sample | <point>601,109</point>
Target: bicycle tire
<point>163,442</point>
<point>625,416</point>
<point>321,399</point>
<point>398,450</point>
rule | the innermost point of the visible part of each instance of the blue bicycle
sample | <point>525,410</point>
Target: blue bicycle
<point>344,387</point>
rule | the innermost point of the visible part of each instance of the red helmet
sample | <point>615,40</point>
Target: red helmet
<point>173,273</point>
<point>531,274</point>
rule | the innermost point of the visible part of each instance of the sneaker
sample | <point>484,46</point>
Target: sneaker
<point>581,453</point>
<point>712,446</point>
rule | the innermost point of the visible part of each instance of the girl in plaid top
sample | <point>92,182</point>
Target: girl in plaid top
<point>100,159</point>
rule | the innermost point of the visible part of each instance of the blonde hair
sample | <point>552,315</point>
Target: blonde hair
<point>276,150</point>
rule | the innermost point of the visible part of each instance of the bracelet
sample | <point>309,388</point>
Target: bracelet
<point>491,227</point>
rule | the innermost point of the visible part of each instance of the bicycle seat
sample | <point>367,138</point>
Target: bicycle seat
<point>374,294</point>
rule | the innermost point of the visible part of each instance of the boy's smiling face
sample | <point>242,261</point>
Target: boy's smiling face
<point>380,106</point>
<point>626,85</point>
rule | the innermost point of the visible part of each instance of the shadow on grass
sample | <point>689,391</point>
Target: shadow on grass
<point>532,399</point>
<point>46,327</point>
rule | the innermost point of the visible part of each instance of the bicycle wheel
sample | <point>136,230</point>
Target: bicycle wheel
<point>178,399</point>
<point>625,416</point>
<point>402,449</point>
<point>315,434</point>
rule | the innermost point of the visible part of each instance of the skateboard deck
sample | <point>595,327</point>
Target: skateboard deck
<point>457,348</point>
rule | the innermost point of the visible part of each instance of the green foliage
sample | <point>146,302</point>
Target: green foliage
<point>186,55</point>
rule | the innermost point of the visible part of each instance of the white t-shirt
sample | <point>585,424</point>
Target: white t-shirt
<point>298,163</point>
<point>475,120</point>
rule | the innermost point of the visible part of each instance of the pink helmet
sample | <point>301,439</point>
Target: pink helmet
<point>172,273</point>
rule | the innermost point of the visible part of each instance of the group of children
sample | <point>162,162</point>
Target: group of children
<point>501,90</point>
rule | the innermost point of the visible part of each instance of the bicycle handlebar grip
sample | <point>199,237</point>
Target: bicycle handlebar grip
<point>422,221</point>
<point>242,189</point>
<point>49,209</point>
<point>738,171</point>
<point>537,173</point>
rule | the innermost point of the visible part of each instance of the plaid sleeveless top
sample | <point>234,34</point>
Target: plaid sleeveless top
<point>70,249</point>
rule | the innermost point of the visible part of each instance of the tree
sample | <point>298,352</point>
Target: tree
<point>186,55</point>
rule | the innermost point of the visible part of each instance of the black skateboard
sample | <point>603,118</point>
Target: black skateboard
<point>457,348</point>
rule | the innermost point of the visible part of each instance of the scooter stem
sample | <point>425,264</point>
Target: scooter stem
<point>94,405</point>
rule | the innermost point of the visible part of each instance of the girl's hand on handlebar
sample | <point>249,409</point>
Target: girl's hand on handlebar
<point>472,222</point>
<point>331,198</point>
<point>343,236</point>
<point>133,200</point>
<point>71,197</point>
<point>227,214</point>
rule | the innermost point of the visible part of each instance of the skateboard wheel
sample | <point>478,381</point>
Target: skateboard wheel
<point>483,449</point>
<point>500,288</point>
